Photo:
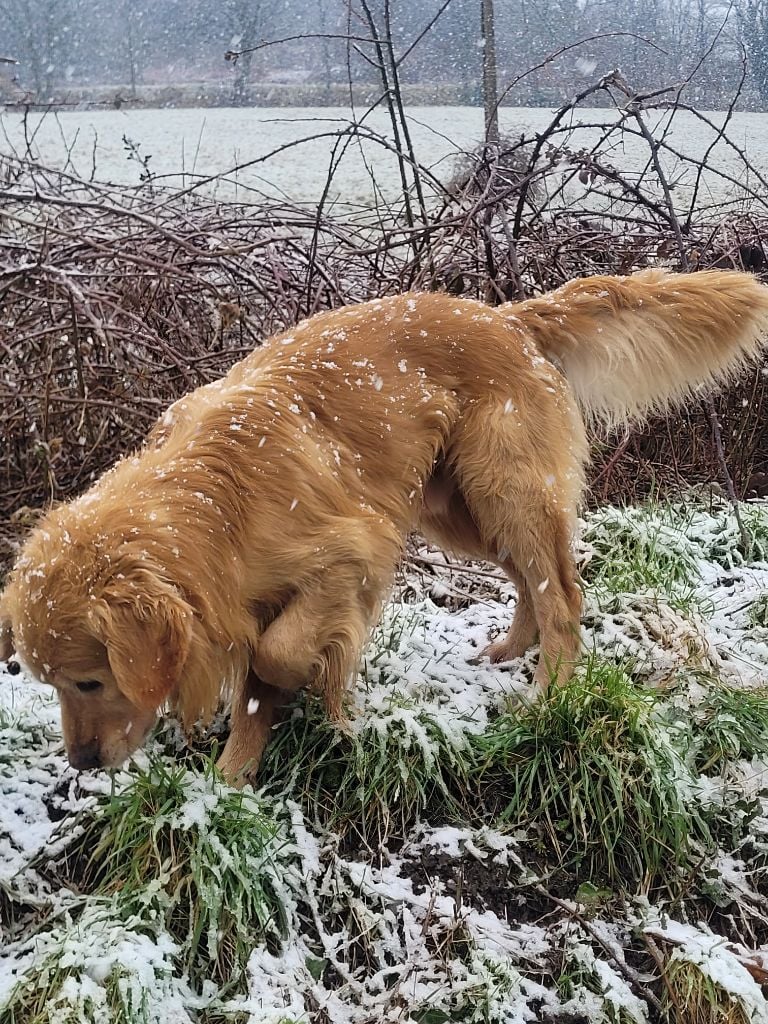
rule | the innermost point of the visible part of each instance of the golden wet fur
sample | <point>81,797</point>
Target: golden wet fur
<point>249,545</point>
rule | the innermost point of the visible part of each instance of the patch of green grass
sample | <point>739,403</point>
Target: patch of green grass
<point>596,772</point>
<point>755,519</point>
<point>201,857</point>
<point>372,785</point>
<point>728,548</point>
<point>399,620</point>
<point>757,613</point>
<point>692,997</point>
<point>733,724</point>
<point>636,550</point>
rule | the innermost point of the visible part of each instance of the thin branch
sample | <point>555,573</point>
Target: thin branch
<point>233,55</point>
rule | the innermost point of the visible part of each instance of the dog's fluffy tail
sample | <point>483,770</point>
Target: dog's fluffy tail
<point>634,345</point>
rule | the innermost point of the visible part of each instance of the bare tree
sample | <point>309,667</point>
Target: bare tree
<point>753,16</point>
<point>134,45</point>
<point>247,19</point>
<point>490,88</point>
<point>38,28</point>
<point>90,41</point>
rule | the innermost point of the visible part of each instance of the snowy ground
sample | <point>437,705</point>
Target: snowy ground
<point>396,873</point>
<point>286,152</point>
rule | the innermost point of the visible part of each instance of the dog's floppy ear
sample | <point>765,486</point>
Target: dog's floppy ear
<point>6,633</point>
<point>146,626</point>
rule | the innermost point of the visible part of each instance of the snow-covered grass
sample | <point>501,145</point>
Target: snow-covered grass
<point>598,751</point>
<point>460,853</point>
<point>214,865</point>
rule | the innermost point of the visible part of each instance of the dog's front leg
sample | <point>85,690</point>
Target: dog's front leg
<point>254,709</point>
<point>318,638</point>
<point>315,641</point>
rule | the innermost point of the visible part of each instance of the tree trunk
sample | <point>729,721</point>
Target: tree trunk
<point>50,47</point>
<point>131,56</point>
<point>754,27</point>
<point>240,91</point>
<point>490,90</point>
<point>325,44</point>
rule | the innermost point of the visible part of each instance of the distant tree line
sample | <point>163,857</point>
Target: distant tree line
<point>135,43</point>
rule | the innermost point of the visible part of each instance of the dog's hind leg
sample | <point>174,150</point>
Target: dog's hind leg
<point>524,630</point>
<point>553,605</point>
<point>449,524</point>
<point>521,483</point>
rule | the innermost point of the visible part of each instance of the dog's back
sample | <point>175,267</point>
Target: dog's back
<point>364,399</point>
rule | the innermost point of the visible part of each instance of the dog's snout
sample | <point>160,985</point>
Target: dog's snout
<point>87,756</point>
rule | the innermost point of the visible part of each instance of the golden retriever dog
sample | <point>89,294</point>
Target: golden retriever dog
<point>248,546</point>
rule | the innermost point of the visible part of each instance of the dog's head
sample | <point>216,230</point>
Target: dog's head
<point>110,634</point>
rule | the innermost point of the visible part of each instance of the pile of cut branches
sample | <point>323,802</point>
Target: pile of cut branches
<point>117,300</point>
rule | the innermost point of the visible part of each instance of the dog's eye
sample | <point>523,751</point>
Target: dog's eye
<point>88,686</point>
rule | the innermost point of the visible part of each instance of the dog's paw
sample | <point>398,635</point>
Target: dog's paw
<point>496,652</point>
<point>235,772</point>
<point>503,650</point>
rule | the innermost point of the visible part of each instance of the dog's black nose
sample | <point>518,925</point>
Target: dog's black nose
<point>13,668</point>
<point>85,757</point>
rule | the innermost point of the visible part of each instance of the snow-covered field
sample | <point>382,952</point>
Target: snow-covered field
<point>459,855</point>
<point>260,150</point>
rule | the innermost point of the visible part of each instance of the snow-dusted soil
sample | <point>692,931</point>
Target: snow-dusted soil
<point>453,921</point>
